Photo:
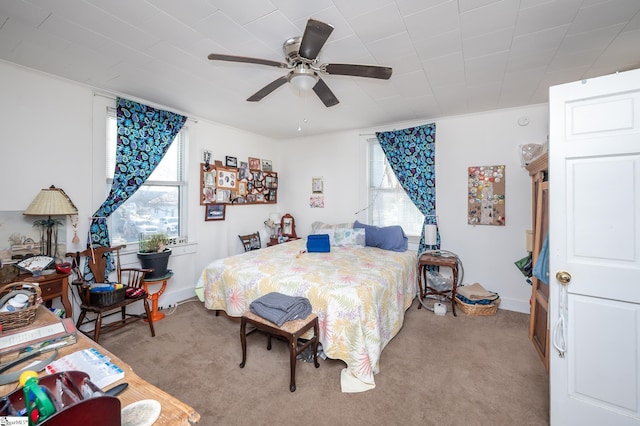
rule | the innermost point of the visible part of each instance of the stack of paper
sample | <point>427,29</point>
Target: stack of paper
<point>99,367</point>
<point>51,335</point>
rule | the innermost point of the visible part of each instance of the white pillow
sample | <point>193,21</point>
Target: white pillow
<point>354,237</point>
<point>321,227</point>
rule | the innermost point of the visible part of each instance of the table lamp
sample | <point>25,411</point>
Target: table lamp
<point>431,235</point>
<point>49,202</point>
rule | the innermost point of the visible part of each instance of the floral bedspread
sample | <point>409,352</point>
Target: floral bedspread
<point>359,294</point>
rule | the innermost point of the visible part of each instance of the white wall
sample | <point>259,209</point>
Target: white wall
<point>488,253</point>
<point>50,134</point>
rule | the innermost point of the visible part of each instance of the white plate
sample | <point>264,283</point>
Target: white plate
<point>141,413</point>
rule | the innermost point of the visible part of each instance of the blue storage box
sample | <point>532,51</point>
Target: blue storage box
<point>318,243</point>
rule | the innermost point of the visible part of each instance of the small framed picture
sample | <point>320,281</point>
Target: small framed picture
<point>227,178</point>
<point>210,179</point>
<point>231,161</point>
<point>243,171</point>
<point>208,195</point>
<point>317,185</point>
<point>267,166</point>
<point>254,163</point>
<point>223,196</point>
<point>214,212</point>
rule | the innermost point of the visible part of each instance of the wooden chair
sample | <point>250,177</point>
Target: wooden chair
<point>97,259</point>
<point>251,241</point>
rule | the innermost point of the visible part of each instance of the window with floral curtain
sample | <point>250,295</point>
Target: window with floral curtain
<point>411,154</point>
<point>144,136</point>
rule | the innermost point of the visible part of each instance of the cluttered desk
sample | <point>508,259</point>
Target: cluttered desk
<point>50,336</point>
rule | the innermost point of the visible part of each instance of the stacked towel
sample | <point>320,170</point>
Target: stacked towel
<point>280,308</point>
<point>476,294</point>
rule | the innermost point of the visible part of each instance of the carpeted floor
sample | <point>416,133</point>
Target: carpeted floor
<point>437,371</point>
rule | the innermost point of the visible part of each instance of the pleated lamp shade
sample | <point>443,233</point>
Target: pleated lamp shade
<point>51,202</point>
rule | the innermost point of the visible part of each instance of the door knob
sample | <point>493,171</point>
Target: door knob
<point>563,277</point>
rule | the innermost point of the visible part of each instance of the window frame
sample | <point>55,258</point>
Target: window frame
<point>376,188</point>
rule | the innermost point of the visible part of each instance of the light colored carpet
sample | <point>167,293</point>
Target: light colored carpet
<point>437,371</point>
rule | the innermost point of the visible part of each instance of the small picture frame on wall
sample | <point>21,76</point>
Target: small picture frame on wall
<point>254,163</point>
<point>208,195</point>
<point>317,185</point>
<point>243,171</point>
<point>231,161</point>
<point>223,196</point>
<point>214,212</point>
<point>267,166</point>
<point>210,179</point>
<point>227,178</point>
<point>242,188</point>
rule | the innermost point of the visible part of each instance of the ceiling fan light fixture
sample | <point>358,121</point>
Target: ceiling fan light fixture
<point>303,82</point>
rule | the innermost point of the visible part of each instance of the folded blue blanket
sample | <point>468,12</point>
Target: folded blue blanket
<point>476,301</point>
<point>280,308</point>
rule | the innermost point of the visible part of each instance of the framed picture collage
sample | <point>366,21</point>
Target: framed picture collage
<point>238,185</point>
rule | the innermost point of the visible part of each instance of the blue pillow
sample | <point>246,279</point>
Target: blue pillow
<point>387,238</point>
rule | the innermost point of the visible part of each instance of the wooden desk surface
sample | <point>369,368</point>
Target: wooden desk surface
<point>174,411</point>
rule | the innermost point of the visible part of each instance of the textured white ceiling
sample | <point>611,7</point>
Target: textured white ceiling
<point>449,57</point>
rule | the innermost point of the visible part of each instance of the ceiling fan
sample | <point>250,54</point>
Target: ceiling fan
<point>301,54</point>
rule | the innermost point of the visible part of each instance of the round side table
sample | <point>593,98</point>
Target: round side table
<point>155,315</point>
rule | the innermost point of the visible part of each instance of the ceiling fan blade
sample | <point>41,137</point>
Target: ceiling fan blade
<point>267,89</point>
<point>244,59</point>
<point>371,71</point>
<point>325,94</point>
<point>315,36</point>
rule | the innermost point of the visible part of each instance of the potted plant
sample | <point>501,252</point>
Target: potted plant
<point>154,254</point>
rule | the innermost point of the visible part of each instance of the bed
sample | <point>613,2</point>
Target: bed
<point>360,295</point>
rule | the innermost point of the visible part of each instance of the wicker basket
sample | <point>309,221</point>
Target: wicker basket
<point>107,298</point>
<point>477,309</point>
<point>24,316</point>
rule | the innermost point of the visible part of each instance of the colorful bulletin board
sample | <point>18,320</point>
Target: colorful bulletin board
<point>486,199</point>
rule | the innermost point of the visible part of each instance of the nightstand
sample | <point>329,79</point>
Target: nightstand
<point>433,259</point>
<point>274,241</point>
<point>52,286</point>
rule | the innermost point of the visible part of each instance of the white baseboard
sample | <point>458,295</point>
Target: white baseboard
<point>170,298</point>
<point>514,305</point>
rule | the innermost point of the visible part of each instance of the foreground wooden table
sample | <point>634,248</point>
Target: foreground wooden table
<point>174,411</point>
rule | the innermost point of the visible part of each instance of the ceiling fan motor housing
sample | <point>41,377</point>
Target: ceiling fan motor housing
<point>291,49</point>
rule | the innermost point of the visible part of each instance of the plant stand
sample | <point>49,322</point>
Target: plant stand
<point>155,315</point>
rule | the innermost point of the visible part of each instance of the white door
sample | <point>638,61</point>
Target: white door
<point>594,231</point>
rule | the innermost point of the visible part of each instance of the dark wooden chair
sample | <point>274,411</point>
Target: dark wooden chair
<point>251,241</point>
<point>103,306</point>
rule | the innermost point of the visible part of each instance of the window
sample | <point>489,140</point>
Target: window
<point>389,204</point>
<point>158,205</point>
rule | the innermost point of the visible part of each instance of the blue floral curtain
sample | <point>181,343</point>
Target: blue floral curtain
<point>144,136</point>
<point>411,154</point>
